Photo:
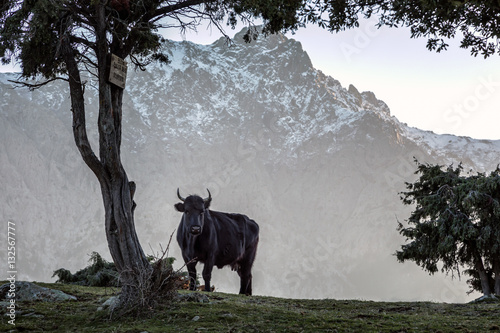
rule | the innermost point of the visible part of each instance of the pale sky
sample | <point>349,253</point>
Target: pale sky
<point>448,92</point>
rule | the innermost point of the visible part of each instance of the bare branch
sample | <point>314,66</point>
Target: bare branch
<point>161,12</point>
<point>33,86</point>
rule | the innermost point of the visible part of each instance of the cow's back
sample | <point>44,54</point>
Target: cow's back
<point>235,234</point>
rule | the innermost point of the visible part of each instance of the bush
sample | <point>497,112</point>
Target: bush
<point>100,273</point>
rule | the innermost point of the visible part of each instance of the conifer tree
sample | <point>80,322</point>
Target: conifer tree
<point>455,224</point>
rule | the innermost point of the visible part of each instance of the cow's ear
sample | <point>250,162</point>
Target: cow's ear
<point>207,203</point>
<point>180,207</point>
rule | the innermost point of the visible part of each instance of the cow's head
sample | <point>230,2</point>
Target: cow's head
<point>194,208</point>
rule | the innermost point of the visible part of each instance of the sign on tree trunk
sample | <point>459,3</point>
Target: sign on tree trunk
<point>118,71</point>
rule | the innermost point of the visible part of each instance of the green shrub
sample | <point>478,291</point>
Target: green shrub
<point>100,273</point>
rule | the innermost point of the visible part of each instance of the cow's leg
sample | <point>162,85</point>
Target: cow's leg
<point>245,280</point>
<point>207,274</point>
<point>245,270</point>
<point>191,266</point>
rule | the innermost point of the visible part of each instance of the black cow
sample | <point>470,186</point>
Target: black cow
<point>216,238</point>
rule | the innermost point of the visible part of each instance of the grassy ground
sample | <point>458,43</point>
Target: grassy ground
<point>233,313</point>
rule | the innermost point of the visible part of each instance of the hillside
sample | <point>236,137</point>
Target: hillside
<point>219,312</point>
<point>317,165</point>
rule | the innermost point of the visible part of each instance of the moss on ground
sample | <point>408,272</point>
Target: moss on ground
<point>218,312</point>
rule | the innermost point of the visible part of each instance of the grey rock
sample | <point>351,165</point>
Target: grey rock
<point>28,291</point>
<point>194,297</point>
<point>110,304</point>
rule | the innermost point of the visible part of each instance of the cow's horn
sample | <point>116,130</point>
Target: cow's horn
<point>209,196</point>
<point>179,196</point>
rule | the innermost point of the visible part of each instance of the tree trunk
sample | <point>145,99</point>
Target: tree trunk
<point>117,191</point>
<point>496,272</point>
<point>483,277</point>
<point>121,235</point>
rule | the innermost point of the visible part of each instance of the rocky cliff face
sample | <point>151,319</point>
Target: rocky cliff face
<point>318,166</point>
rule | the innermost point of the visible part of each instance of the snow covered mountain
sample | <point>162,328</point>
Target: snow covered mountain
<point>318,166</point>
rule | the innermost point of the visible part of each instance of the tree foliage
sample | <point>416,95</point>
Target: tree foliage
<point>33,31</point>
<point>455,223</point>
<point>476,22</point>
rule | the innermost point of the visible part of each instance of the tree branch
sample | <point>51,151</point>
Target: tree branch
<point>83,41</point>
<point>33,86</point>
<point>78,109</point>
<point>161,12</point>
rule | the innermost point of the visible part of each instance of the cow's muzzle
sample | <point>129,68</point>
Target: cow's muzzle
<point>196,230</point>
